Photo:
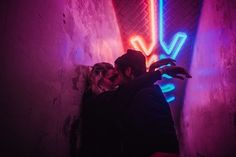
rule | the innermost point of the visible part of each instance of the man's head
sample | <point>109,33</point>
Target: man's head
<point>130,65</point>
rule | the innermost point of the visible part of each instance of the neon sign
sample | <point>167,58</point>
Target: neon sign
<point>171,50</point>
<point>139,44</point>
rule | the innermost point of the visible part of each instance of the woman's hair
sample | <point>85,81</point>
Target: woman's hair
<point>98,71</point>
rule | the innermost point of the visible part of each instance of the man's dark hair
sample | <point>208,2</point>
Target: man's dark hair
<point>134,59</point>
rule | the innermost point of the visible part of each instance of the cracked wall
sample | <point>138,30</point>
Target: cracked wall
<point>44,45</point>
<point>209,128</point>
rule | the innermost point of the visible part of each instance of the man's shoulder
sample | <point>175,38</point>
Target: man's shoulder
<point>150,94</point>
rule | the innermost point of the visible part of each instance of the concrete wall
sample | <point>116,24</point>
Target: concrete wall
<point>42,43</point>
<point>209,118</point>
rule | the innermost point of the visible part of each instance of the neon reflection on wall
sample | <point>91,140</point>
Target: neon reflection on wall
<point>171,50</point>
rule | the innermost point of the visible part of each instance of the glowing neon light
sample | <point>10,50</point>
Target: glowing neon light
<point>170,99</point>
<point>178,39</point>
<point>171,50</point>
<point>151,60</point>
<point>139,44</point>
<point>167,88</point>
<point>162,56</point>
<point>166,76</point>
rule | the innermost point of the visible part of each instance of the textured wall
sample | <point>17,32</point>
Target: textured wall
<point>42,42</point>
<point>209,119</point>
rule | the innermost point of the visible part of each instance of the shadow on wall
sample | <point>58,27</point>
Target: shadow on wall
<point>43,42</point>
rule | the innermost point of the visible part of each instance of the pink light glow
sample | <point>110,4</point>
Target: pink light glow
<point>138,42</point>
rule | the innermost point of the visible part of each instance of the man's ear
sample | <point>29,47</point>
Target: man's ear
<point>129,73</point>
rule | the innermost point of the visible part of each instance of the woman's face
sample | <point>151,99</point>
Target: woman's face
<point>110,80</point>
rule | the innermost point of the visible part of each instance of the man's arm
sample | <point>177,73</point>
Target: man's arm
<point>127,91</point>
<point>149,78</point>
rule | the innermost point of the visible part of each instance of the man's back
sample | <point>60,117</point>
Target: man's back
<point>107,114</point>
<point>148,124</point>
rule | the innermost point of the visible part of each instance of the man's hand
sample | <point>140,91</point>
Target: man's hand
<point>176,72</point>
<point>160,63</point>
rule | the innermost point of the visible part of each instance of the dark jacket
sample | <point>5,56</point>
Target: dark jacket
<point>98,131</point>
<point>102,128</point>
<point>148,125</point>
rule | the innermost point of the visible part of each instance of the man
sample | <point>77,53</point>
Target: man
<point>108,110</point>
<point>145,119</point>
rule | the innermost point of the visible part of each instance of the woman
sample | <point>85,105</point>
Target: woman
<point>101,78</point>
